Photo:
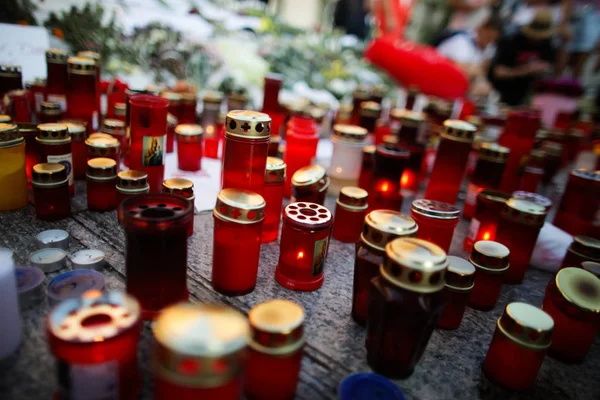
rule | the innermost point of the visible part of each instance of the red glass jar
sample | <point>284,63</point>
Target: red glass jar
<point>273,196</point>
<point>77,131</point>
<point>457,289</point>
<point>411,97</point>
<point>82,90</point>
<point>245,150</point>
<point>116,129</point>
<point>189,147</point>
<point>360,95</point>
<point>95,341</point>
<point>573,143</point>
<point>583,248</point>
<point>436,221</point>
<point>573,301</point>
<point>384,192</point>
<point>120,113</point>
<point>456,140</point>
<point>370,112</point>
<point>172,123</point>
<point>484,223</point>
<point>408,125</point>
<point>57,77</point>
<point>275,352</point>
<point>175,108</point>
<point>212,368</point>
<point>534,198</point>
<point>32,156</point>
<point>156,236</point>
<point>54,146</point>
<point>211,108</point>
<point>350,209</point>
<point>103,146</point>
<point>366,169</point>
<point>101,184</point>
<point>51,191</point>
<point>94,56</point>
<point>271,106</point>
<point>519,226</point>
<point>405,304</point>
<point>212,142</point>
<point>37,93</point>
<point>189,104</point>
<point>344,114</point>
<point>518,348</point>
<point>50,112</point>
<point>310,184</point>
<point>130,183</point>
<point>491,263</point>
<point>19,105</point>
<point>184,188</point>
<point>304,245</point>
<point>301,140</point>
<point>238,219</point>
<point>533,172</point>
<point>10,79</point>
<point>274,144</point>
<point>553,159</point>
<point>580,203</point>
<point>380,228</point>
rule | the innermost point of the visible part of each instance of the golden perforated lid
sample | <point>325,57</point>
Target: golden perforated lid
<point>113,127</point>
<point>173,97</point>
<point>383,226</point>
<point>92,55</point>
<point>552,149</point>
<point>361,91</point>
<point>276,327</point>
<point>370,109</point>
<point>460,274</point>
<point>240,206</point>
<point>81,66</point>
<point>524,212</point>
<point>458,130</point>
<point>580,289</point>
<point>179,186</point>
<point>10,70</point>
<point>120,109</point>
<point>189,130</point>
<point>350,133</point>
<point>99,135</point>
<point>407,117</point>
<point>435,209</point>
<point>493,152</point>
<point>132,181</point>
<point>248,124</point>
<point>586,174</point>
<point>10,135</point>
<point>275,171</point>
<point>492,195</point>
<point>309,175</point>
<point>188,97</point>
<point>76,129</point>
<point>102,168</point>
<point>353,198</point>
<point>53,133</point>
<point>102,142</point>
<point>56,56</point>
<point>50,108</point>
<point>309,215</point>
<point>48,173</point>
<point>490,256</point>
<point>592,267</point>
<point>527,325</point>
<point>586,246</point>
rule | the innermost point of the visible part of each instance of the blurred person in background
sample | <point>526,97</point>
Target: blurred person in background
<point>350,15</point>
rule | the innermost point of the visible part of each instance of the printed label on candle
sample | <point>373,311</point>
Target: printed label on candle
<point>319,256</point>
<point>472,193</point>
<point>152,150</point>
<point>89,381</point>
<point>60,99</point>
<point>67,161</point>
<point>473,229</point>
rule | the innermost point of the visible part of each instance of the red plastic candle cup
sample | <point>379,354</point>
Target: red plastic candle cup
<point>366,169</point>
<point>408,125</point>
<point>156,235</point>
<point>518,229</point>
<point>211,369</point>
<point>405,305</point>
<point>533,172</point>
<point>50,112</point>
<point>116,129</point>
<point>19,105</point>
<point>457,289</point>
<point>370,112</point>
<point>211,109</point>
<point>304,245</point>
<point>573,301</point>
<point>350,209</point>
<point>436,221</point>
<point>348,142</point>
<point>274,144</point>
<point>130,183</point>
<point>238,219</point>
<point>51,191</point>
<point>580,203</point>
<point>175,108</point>
<point>380,227</point>
<point>101,184</point>
<point>273,196</point>
<point>491,263</point>
<point>518,348</point>
<point>456,139</point>
<point>103,146</point>
<point>172,123</point>
<point>310,184</point>
<point>301,140</point>
<point>534,198</point>
<point>360,95</point>
<point>484,223</point>
<point>184,188</point>
<point>583,248</point>
<point>275,351</point>
<point>273,84</point>
<point>94,56</point>
<point>487,174</point>
<point>77,131</point>
<point>82,90</point>
<point>211,143</point>
<point>54,146</point>
<point>189,147</point>
<point>573,142</point>
<point>385,181</point>
<point>552,160</point>
<point>32,156</point>
<point>10,79</point>
<point>189,103</point>
<point>245,150</point>
<point>57,77</point>
<point>96,335</point>
<point>120,112</point>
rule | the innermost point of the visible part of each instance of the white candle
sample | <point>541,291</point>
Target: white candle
<point>10,328</point>
<point>49,260</point>
<point>56,238</point>
<point>88,259</point>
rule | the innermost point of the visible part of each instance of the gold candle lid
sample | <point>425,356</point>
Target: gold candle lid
<point>370,109</point>
<point>524,212</point>
<point>102,142</point>
<point>414,264</point>
<point>350,133</point>
<point>56,56</point>
<point>344,111</point>
<point>383,226</point>
<point>276,327</point>
<point>576,133</point>
<point>5,118</point>
<point>370,149</point>
<point>240,206</point>
<point>189,132</point>
<point>120,109</point>
<point>81,66</point>
<point>100,135</point>
<point>458,130</point>
<point>10,135</point>
<point>580,292</point>
<point>586,174</point>
<point>586,246</point>
<point>12,71</point>
<point>311,175</point>
<point>113,127</point>
<point>48,174</point>
<point>102,168</point>
<point>173,97</point>
<point>435,209</point>
<point>493,152</point>
<point>353,198</point>
<point>76,129</point>
<point>53,133</point>
<point>50,108</point>
<point>408,118</point>
<point>131,181</point>
<point>188,97</point>
<point>179,186</point>
<point>307,214</point>
<point>213,97</point>
<point>592,267</point>
<point>361,91</point>
<point>552,149</point>
<point>490,256</point>
<point>248,124</point>
<point>275,171</point>
<point>92,55</point>
<point>527,326</point>
<point>460,275</point>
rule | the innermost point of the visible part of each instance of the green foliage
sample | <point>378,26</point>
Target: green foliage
<point>18,11</point>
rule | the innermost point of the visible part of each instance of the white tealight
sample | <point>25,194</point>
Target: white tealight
<point>55,238</point>
<point>88,259</point>
<point>49,260</point>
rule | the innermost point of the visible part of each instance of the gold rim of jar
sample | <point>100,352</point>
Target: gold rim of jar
<point>524,212</point>
<point>435,209</point>
<point>586,246</point>
<point>586,174</point>
<point>101,169</point>
<point>408,118</point>
<point>350,133</point>
<point>81,66</point>
<point>53,134</point>
<point>76,129</point>
<point>579,289</point>
<point>275,170</point>
<point>188,98</point>
<point>493,152</point>
<point>10,135</point>
<point>309,175</point>
<point>370,109</point>
<point>50,108</point>
<point>56,56</point>
<point>458,130</point>
<point>353,198</point>
<point>91,55</point>
<point>490,256</point>
<point>132,176</point>
<point>212,97</point>
<point>5,119</point>
<point>383,226</point>
<point>102,142</point>
<point>10,71</point>
<point>460,275</point>
<point>173,97</point>
<point>55,175</point>
<point>120,109</point>
<point>240,206</point>
<point>189,133</point>
<point>113,127</point>
<point>527,326</point>
<point>276,327</point>
<point>180,186</point>
<point>248,124</point>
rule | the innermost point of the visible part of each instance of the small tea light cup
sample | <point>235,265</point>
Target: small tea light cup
<point>88,259</point>
<point>55,238</point>
<point>49,259</point>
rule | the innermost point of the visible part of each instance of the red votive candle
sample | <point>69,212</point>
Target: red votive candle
<point>370,112</point>
<point>245,150</point>
<point>534,198</point>
<point>344,114</point>
<point>456,139</point>
<point>211,109</point>
<point>238,219</point>
<point>405,305</point>
<point>13,178</point>
<point>273,196</point>
<point>457,289</point>
<point>533,172</point>
<point>360,95</point>
<point>409,124</point>
<point>436,221</point>
<point>82,89</point>
<point>10,79</point>
<point>580,203</point>
<point>350,209</point>
<point>301,140</point>
<point>518,348</point>
<point>54,146</point>
<point>94,339</point>
<point>172,123</point>
<point>103,146</point>
<point>51,191</point>
<point>304,245</point>
<point>380,227</point>
<point>212,368</point>
<point>32,156</point>
<point>274,144</point>
<point>184,188</point>
<point>120,112</point>
<point>189,103</point>
<point>50,112</point>
<point>189,147</point>
<point>77,131</point>
<point>553,158</point>
<point>156,235</point>
<point>116,129</point>
<point>573,301</point>
<point>130,183</point>
<point>275,350</point>
<point>271,106</point>
<point>212,140</point>
<point>94,56</point>
<point>57,77</point>
<point>491,263</point>
<point>411,97</point>
<point>175,107</point>
<point>484,223</point>
<point>310,184</point>
<point>385,181</point>
<point>101,184</point>
<point>20,106</point>
<point>518,229</point>
<point>583,248</point>
<point>366,169</point>
<point>575,138</point>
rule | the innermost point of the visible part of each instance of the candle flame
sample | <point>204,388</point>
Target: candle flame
<point>486,236</point>
<point>384,187</point>
<point>300,255</point>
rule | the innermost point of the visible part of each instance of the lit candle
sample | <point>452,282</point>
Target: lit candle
<point>74,283</point>
<point>10,330</point>
<point>56,238</point>
<point>88,259</point>
<point>49,260</point>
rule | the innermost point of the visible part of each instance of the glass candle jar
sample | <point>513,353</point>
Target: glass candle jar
<point>583,248</point>
<point>366,168</point>
<point>484,223</point>
<point>350,209</point>
<point>518,348</point>
<point>487,174</point>
<point>211,108</point>
<point>103,146</point>
<point>50,112</point>
<point>408,125</point>
<point>456,139</point>
<point>491,263</point>
<point>82,90</point>
<point>130,183</point>
<point>304,245</point>
<point>273,196</point>
<point>54,146</point>
<point>519,226</point>
<point>19,105</point>
<point>116,129</point>
<point>13,178</point>
<point>32,156</point>
<point>388,167</point>
<point>344,114</point>
<point>77,131</point>
<point>348,142</point>
<point>275,351</point>
<point>189,147</point>
<point>101,184</point>
<point>57,77</point>
<point>10,79</point>
<point>94,339</point>
<point>360,95</point>
<point>212,368</point>
<point>184,188</point>
<point>380,227</point>
<point>301,140</point>
<point>156,235</point>
<point>533,171</point>
<point>310,184</point>
<point>573,143</point>
<point>573,301</point>
<point>172,123</point>
<point>212,140</point>
<point>411,97</point>
<point>370,112</point>
<point>457,289</point>
<point>238,219</point>
<point>97,58</point>
<point>271,106</point>
<point>436,221</point>
<point>189,104</point>
<point>51,191</point>
<point>245,150</point>
<point>405,305</point>
<point>580,203</point>
<point>174,109</point>
<point>534,198</point>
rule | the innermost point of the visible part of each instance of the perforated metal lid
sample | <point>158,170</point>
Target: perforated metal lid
<point>248,124</point>
<point>240,206</point>
<point>308,215</point>
<point>527,325</point>
<point>435,209</point>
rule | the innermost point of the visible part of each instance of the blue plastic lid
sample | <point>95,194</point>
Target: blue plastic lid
<point>368,386</point>
<point>29,278</point>
<point>74,283</point>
